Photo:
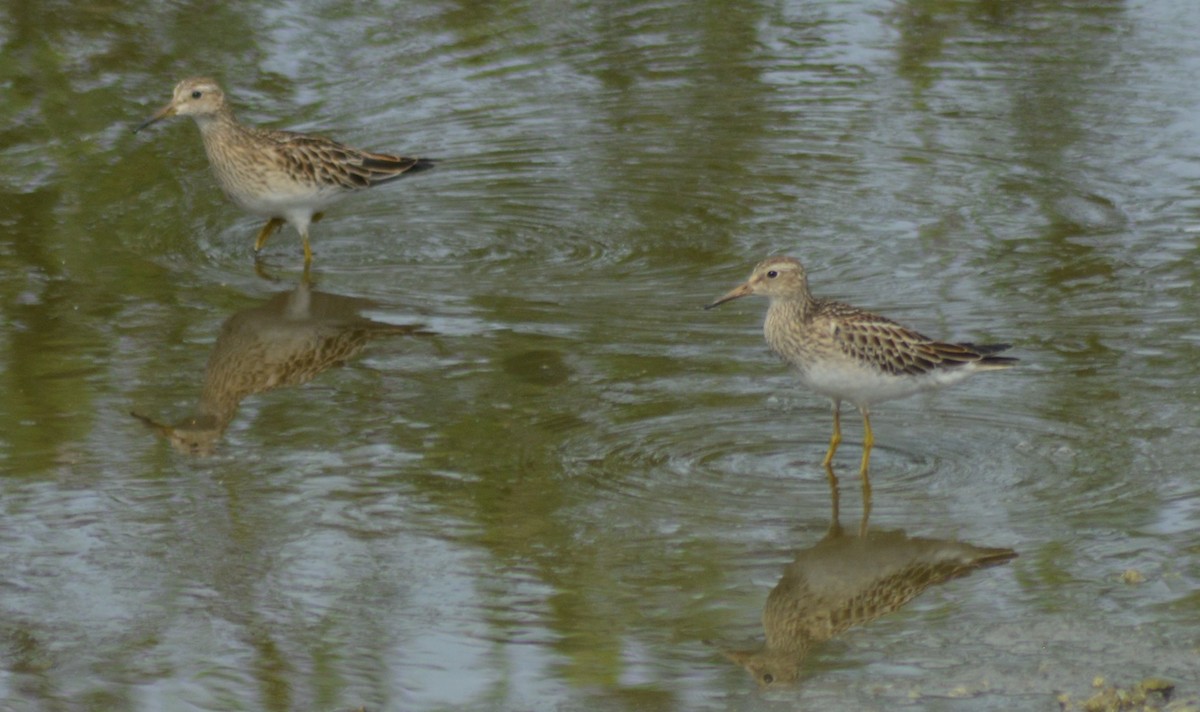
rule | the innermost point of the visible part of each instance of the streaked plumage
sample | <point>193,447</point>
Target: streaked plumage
<point>281,175</point>
<point>846,353</point>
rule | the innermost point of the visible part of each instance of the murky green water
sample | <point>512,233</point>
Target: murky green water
<point>581,490</point>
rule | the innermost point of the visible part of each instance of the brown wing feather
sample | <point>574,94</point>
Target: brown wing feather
<point>325,161</point>
<point>895,349</point>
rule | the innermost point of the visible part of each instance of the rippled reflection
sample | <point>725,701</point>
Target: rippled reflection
<point>287,340</point>
<point>846,580</point>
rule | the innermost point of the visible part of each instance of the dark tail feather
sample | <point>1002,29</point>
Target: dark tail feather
<point>987,351</point>
<point>386,168</point>
<point>421,164</point>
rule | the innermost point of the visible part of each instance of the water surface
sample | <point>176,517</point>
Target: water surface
<point>582,488</point>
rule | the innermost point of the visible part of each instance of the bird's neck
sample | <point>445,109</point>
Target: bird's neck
<point>791,309</point>
<point>784,324</point>
<point>216,124</point>
<point>219,131</point>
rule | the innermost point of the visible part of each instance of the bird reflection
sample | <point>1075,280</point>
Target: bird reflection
<point>286,341</point>
<point>845,581</point>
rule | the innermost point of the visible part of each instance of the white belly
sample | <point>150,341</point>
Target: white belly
<point>864,386</point>
<point>280,198</point>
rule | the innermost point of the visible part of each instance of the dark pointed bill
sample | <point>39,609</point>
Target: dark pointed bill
<point>739,291</point>
<point>164,113</point>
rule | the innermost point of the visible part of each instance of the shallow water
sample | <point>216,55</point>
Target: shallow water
<point>582,488</point>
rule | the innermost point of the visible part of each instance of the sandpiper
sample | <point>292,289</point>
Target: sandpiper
<point>845,353</point>
<point>281,175</point>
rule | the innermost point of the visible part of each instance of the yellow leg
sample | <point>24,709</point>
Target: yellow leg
<point>868,443</point>
<point>307,250</point>
<point>837,435</point>
<point>267,230</point>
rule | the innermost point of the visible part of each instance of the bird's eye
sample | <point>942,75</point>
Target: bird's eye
<point>772,274</point>
<point>768,678</point>
<point>197,94</point>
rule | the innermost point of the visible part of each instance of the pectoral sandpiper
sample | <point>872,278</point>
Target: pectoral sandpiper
<point>281,175</point>
<point>846,353</point>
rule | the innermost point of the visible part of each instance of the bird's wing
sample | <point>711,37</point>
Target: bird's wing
<point>890,347</point>
<point>325,161</point>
